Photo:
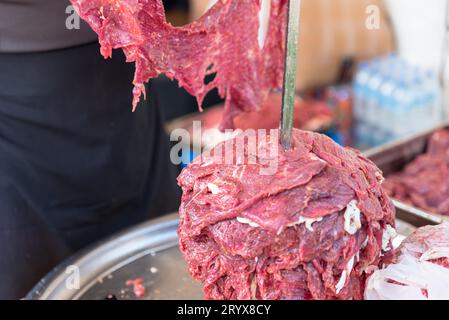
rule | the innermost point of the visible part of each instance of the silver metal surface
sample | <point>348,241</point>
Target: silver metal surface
<point>393,157</point>
<point>404,229</point>
<point>290,65</point>
<point>148,251</point>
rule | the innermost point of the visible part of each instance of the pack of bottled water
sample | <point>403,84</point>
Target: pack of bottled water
<point>394,99</point>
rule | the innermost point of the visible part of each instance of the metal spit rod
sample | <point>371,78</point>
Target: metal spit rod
<point>290,64</point>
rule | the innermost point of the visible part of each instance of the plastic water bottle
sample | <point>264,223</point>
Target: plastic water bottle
<point>393,98</point>
<point>359,89</point>
<point>376,126</point>
<point>386,107</point>
<point>363,77</point>
<point>433,99</point>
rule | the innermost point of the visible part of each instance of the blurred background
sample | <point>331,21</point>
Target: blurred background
<point>370,71</point>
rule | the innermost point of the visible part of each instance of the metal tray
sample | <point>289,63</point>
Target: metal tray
<point>148,251</point>
<point>393,157</point>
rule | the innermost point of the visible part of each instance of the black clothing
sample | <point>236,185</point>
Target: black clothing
<point>76,164</point>
<point>41,25</point>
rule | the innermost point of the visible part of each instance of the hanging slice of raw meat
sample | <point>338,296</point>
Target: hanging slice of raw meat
<point>224,42</point>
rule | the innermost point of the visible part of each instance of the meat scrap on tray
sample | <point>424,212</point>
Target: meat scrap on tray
<point>424,182</point>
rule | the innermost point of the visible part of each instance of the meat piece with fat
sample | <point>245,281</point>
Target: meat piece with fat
<point>223,42</point>
<point>261,223</point>
<point>421,271</point>
<point>424,183</point>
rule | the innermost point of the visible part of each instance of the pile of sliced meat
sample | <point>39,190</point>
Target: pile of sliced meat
<point>308,223</point>
<point>424,183</point>
<point>422,269</point>
<point>224,42</point>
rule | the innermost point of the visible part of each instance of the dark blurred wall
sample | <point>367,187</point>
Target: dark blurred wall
<point>178,4</point>
<point>174,101</point>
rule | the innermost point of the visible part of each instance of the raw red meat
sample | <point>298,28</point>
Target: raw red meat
<point>312,229</point>
<point>421,270</point>
<point>424,182</point>
<point>423,242</point>
<point>309,115</point>
<point>138,287</point>
<point>224,41</point>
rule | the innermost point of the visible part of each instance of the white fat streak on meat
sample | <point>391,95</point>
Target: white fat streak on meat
<point>352,218</point>
<point>344,275</point>
<point>102,17</point>
<point>363,246</point>
<point>247,221</point>
<point>397,241</point>
<point>313,156</point>
<point>213,188</point>
<point>435,253</point>
<point>307,221</point>
<point>365,243</point>
<point>264,21</point>
<point>379,177</point>
<point>196,195</point>
<point>388,234</point>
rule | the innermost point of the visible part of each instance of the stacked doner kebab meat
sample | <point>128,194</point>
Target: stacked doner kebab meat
<point>309,223</point>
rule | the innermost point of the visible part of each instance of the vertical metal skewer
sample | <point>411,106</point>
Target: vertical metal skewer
<point>290,64</point>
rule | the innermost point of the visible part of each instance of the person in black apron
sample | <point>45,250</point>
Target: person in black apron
<point>76,165</point>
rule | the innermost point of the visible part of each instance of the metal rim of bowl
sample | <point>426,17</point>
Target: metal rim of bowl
<point>135,240</point>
